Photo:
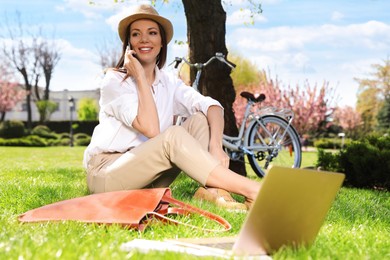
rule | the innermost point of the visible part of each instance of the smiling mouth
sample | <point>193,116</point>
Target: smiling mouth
<point>145,49</point>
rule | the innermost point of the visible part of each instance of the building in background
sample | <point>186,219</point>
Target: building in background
<point>19,112</point>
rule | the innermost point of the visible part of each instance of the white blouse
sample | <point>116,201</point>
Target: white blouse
<point>119,105</point>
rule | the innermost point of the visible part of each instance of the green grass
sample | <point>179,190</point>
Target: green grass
<point>357,226</point>
<point>309,159</point>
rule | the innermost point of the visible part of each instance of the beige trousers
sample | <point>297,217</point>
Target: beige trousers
<point>158,161</point>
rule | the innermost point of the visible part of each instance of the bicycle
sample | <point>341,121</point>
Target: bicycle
<point>266,136</point>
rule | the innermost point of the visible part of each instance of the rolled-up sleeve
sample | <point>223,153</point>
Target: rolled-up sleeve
<point>121,103</point>
<point>187,101</point>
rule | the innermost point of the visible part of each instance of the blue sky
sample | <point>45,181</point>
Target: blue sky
<point>295,41</point>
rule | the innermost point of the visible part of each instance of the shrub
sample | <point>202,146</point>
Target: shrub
<point>80,136</point>
<point>380,141</point>
<point>36,140</point>
<point>327,143</point>
<point>88,109</point>
<point>81,139</point>
<point>53,142</point>
<point>29,141</point>
<point>328,161</point>
<point>12,129</point>
<point>64,142</point>
<point>46,108</point>
<point>82,142</point>
<point>331,143</point>
<point>63,135</point>
<point>366,163</point>
<point>43,131</point>
<point>41,135</point>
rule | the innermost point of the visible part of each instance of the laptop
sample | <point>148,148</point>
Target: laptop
<point>289,211</point>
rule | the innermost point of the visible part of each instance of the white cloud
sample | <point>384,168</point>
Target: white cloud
<point>337,16</point>
<point>95,9</point>
<point>245,2</point>
<point>243,16</point>
<point>113,20</point>
<point>90,11</point>
<point>333,53</point>
<point>275,40</point>
<point>121,13</point>
<point>372,35</point>
<point>77,68</point>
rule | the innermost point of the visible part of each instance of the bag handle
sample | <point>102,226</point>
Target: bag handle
<point>186,209</point>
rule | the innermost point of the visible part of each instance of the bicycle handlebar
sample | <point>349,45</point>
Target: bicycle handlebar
<point>219,56</point>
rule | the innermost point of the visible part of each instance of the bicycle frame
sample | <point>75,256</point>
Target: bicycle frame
<point>239,143</point>
<point>195,84</point>
<point>236,143</point>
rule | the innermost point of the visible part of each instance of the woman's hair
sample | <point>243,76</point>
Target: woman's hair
<point>161,58</point>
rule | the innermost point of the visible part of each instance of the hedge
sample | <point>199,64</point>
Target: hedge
<point>366,163</point>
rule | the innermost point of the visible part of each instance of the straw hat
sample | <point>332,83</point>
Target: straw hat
<point>145,12</point>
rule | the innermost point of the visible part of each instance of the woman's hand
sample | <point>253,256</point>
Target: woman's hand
<point>220,155</point>
<point>216,123</point>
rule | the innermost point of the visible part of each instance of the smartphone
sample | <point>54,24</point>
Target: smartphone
<point>128,48</point>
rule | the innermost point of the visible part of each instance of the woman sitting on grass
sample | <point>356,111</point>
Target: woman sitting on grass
<point>136,144</point>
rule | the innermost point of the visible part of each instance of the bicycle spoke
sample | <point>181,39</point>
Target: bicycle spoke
<point>282,144</point>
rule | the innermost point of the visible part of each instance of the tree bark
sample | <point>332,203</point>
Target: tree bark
<point>2,116</point>
<point>206,31</point>
<point>28,98</point>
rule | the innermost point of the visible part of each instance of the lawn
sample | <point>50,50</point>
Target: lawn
<point>357,226</point>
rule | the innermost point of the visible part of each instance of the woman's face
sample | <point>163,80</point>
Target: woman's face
<point>145,40</point>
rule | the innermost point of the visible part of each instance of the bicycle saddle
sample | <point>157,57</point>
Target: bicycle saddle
<point>251,97</point>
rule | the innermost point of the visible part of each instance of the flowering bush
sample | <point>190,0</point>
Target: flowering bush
<point>311,105</point>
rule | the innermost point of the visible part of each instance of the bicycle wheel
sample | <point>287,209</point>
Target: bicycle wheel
<point>273,142</point>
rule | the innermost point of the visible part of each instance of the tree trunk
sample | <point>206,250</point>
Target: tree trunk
<point>28,98</point>
<point>2,116</point>
<point>29,111</point>
<point>206,35</point>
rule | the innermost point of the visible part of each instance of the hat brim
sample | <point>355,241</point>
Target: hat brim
<point>165,23</point>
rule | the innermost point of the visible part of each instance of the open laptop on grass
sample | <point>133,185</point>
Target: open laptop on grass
<point>288,211</point>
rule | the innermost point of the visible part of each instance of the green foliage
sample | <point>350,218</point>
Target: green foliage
<point>367,106</point>
<point>246,73</point>
<point>27,141</point>
<point>366,163</point>
<point>80,136</point>
<point>371,93</point>
<point>88,109</point>
<point>377,140</point>
<point>12,129</point>
<point>328,161</point>
<point>43,131</point>
<point>63,135</point>
<point>45,109</point>
<point>383,116</point>
<point>59,142</point>
<point>81,139</point>
<point>331,143</point>
<point>41,136</point>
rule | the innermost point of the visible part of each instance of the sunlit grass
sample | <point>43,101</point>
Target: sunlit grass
<point>357,226</point>
<point>309,159</point>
